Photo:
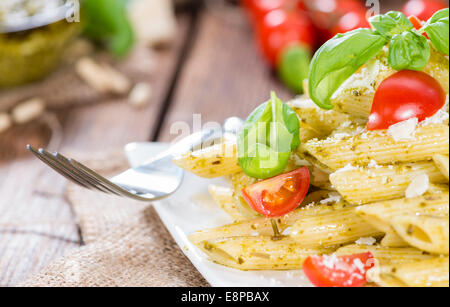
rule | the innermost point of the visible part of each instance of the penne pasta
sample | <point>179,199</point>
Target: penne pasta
<point>333,228</point>
<point>262,226</point>
<point>223,196</point>
<point>426,273</point>
<point>324,122</point>
<point>392,239</point>
<point>428,233</point>
<point>386,255</point>
<point>442,163</point>
<point>381,214</point>
<point>361,149</point>
<point>215,161</point>
<point>362,185</point>
<point>258,253</point>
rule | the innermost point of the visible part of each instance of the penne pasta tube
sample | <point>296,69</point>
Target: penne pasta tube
<point>392,239</point>
<point>333,228</point>
<point>442,163</point>
<point>386,255</point>
<point>428,233</point>
<point>426,273</point>
<point>258,253</point>
<point>215,161</point>
<point>323,122</point>
<point>307,133</point>
<point>378,146</point>
<point>381,214</point>
<point>362,185</point>
<point>262,226</point>
<point>223,196</point>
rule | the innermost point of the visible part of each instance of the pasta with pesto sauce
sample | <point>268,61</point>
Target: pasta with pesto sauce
<point>383,192</point>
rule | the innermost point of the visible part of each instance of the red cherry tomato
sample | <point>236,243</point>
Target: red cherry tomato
<point>280,29</point>
<point>326,15</point>
<point>404,95</point>
<point>342,271</point>
<point>351,21</point>
<point>260,8</point>
<point>279,195</point>
<point>423,9</point>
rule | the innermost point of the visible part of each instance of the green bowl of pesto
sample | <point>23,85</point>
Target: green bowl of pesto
<point>33,36</point>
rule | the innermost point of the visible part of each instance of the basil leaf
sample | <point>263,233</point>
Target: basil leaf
<point>293,66</point>
<point>269,135</point>
<point>409,50</point>
<point>391,23</point>
<point>437,29</point>
<point>338,59</point>
<point>106,21</point>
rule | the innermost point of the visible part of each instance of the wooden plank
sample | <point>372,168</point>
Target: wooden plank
<point>224,74</point>
<point>36,222</point>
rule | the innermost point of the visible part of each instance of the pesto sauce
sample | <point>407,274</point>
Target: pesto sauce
<point>29,55</point>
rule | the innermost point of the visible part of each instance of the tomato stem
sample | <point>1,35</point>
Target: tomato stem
<point>276,231</point>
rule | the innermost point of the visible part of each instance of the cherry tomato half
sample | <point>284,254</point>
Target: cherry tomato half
<point>280,29</point>
<point>279,195</point>
<point>404,95</point>
<point>423,9</point>
<point>342,271</point>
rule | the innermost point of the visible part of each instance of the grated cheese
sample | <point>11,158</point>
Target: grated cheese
<point>358,263</point>
<point>418,186</point>
<point>439,117</point>
<point>330,261</point>
<point>287,231</point>
<point>332,198</point>
<point>403,130</point>
<point>348,167</point>
<point>303,103</point>
<point>366,241</point>
<point>373,164</point>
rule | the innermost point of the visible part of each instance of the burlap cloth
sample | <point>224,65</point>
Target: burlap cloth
<point>126,244</point>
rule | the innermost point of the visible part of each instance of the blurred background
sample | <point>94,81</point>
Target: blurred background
<point>87,77</point>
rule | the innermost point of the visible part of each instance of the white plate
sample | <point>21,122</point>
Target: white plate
<point>191,209</point>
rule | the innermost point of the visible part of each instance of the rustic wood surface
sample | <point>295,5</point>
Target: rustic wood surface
<point>213,70</point>
<point>36,222</point>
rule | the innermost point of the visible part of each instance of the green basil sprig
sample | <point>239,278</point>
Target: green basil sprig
<point>390,24</point>
<point>338,59</point>
<point>269,135</point>
<point>408,50</point>
<point>344,54</point>
<point>107,21</point>
<point>437,29</point>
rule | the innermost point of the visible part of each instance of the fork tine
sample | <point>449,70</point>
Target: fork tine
<point>56,167</point>
<point>106,182</point>
<point>86,176</point>
<point>68,170</point>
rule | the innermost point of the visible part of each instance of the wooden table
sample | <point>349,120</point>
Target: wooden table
<point>213,69</point>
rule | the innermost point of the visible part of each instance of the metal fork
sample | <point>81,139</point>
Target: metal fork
<point>155,179</point>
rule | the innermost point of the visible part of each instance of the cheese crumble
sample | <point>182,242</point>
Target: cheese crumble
<point>418,186</point>
<point>403,130</point>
